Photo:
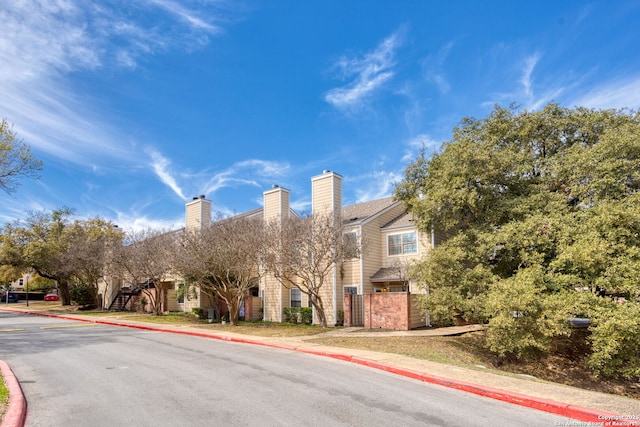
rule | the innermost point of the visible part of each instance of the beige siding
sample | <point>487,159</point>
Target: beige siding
<point>172,301</point>
<point>326,192</point>
<point>417,318</point>
<point>108,288</point>
<point>276,203</point>
<point>192,301</point>
<point>350,272</point>
<point>326,198</point>
<point>424,246</point>
<point>198,213</point>
<point>272,299</point>
<point>255,308</point>
<point>276,207</point>
<point>375,252</point>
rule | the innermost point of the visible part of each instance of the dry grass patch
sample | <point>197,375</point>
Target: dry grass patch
<point>468,351</point>
<point>463,351</point>
<point>266,329</point>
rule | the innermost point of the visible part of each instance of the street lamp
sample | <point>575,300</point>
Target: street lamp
<point>27,290</point>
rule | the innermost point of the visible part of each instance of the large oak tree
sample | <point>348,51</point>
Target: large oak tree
<point>542,210</point>
<point>16,159</point>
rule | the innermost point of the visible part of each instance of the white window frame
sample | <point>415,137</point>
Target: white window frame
<point>403,244</point>
<point>291,300</point>
<point>351,287</point>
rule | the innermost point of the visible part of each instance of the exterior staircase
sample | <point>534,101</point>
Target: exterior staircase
<point>122,299</point>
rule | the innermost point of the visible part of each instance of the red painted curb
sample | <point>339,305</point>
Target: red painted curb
<point>16,414</point>
<point>545,405</point>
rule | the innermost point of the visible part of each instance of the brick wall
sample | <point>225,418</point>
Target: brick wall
<point>348,298</point>
<point>387,310</point>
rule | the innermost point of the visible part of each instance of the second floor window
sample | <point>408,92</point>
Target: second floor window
<point>402,244</point>
<point>350,243</point>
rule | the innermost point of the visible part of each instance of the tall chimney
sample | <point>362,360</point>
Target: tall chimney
<point>197,213</point>
<point>326,194</point>
<point>274,295</point>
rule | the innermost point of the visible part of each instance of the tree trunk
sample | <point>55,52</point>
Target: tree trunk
<point>63,290</point>
<point>316,301</point>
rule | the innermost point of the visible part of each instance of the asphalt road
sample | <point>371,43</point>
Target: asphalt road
<point>79,374</point>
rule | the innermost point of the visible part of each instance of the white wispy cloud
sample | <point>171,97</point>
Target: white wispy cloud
<point>621,92</point>
<point>42,42</point>
<point>433,68</point>
<point>419,142</point>
<point>528,92</point>
<point>187,15</point>
<point>376,185</point>
<point>256,173</point>
<point>139,222</point>
<point>161,167</point>
<point>527,70</point>
<point>367,73</point>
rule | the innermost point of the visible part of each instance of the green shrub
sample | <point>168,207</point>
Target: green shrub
<point>82,295</point>
<point>615,340</point>
<point>198,312</point>
<point>340,321</point>
<point>306,314</point>
<point>291,314</point>
<point>523,318</point>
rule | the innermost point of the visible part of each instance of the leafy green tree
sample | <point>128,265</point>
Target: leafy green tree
<point>16,159</point>
<point>69,252</point>
<point>538,206</point>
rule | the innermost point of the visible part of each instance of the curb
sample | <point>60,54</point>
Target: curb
<point>16,415</point>
<point>545,405</point>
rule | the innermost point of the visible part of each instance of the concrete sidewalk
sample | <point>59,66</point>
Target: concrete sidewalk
<point>572,402</point>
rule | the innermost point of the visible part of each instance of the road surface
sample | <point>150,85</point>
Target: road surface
<point>81,374</point>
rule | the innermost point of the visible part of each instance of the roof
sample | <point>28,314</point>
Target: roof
<point>360,212</point>
<point>389,274</point>
<point>401,221</point>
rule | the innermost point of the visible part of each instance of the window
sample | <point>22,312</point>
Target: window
<point>296,297</point>
<point>402,244</point>
<point>353,290</point>
<point>350,242</point>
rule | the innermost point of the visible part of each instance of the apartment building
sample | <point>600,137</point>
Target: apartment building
<point>390,243</point>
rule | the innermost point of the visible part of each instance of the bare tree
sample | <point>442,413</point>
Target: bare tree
<point>223,259</point>
<point>147,259</point>
<point>303,253</point>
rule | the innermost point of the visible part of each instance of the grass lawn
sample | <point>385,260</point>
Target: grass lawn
<point>4,397</point>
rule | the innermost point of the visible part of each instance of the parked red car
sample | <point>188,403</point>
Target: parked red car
<point>51,297</point>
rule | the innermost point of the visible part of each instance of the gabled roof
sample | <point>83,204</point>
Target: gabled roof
<point>389,274</point>
<point>361,212</point>
<point>249,214</point>
<point>403,220</point>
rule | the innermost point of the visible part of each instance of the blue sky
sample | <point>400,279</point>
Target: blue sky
<point>136,107</point>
